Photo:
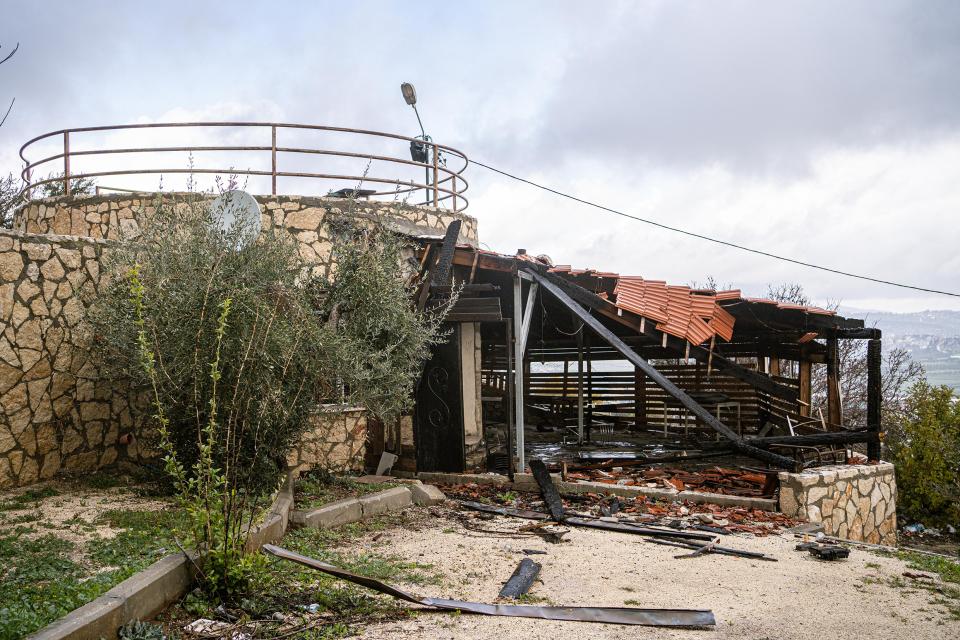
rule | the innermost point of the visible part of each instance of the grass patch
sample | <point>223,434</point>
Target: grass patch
<point>43,578</point>
<point>945,594</point>
<point>318,488</point>
<point>27,498</point>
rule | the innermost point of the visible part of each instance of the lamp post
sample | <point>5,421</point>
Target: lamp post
<point>418,151</point>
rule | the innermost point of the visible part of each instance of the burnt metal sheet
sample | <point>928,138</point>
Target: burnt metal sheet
<point>609,615</point>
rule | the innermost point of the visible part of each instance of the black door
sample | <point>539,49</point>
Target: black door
<point>438,415</point>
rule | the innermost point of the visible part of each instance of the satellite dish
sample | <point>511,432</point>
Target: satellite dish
<point>237,212</point>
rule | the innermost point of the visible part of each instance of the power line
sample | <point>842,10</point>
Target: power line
<point>715,240</point>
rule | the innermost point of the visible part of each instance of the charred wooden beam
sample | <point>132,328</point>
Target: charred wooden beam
<point>521,580</point>
<point>866,333</point>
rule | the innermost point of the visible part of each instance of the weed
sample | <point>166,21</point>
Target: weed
<point>137,630</point>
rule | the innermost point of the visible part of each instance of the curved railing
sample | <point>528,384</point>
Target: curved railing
<point>444,185</point>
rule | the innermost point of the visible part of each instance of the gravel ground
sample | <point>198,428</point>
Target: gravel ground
<point>795,598</point>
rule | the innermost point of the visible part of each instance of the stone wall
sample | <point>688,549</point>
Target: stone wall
<point>56,411</point>
<point>118,216</point>
<point>856,502</point>
<point>57,414</point>
<point>336,441</point>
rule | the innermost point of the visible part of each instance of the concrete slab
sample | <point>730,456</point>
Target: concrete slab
<point>426,494</point>
<point>147,593</point>
<point>330,515</point>
<point>438,477</point>
<point>385,501</point>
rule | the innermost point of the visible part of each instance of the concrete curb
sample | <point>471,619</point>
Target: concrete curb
<point>525,482</point>
<point>147,593</point>
<point>351,510</point>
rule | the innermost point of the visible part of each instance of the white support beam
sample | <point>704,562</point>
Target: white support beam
<point>522,318</point>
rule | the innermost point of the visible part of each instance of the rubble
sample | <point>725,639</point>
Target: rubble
<point>635,510</point>
<point>720,480</point>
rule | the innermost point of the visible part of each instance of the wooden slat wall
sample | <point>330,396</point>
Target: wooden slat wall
<point>619,386</point>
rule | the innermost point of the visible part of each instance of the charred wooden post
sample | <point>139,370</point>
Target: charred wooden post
<point>834,410</point>
<point>805,387</point>
<point>639,398</point>
<point>580,385</point>
<point>589,417</point>
<point>874,395</point>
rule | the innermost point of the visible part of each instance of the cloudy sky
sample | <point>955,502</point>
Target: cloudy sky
<point>824,131</point>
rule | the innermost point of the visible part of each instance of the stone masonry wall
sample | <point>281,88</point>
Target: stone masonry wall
<point>57,414</point>
<point>118,216</point>
<point>856,502</point>
<point>56,411</point>
<point>337,441</point>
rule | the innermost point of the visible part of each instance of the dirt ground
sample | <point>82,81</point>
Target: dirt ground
<point>71,510</point>
<point>795,598</point>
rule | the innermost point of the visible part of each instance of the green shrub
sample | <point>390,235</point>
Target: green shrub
<point>924,445</point>
<point>236,343</point>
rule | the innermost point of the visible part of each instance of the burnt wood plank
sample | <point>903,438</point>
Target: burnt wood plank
<point>550,494</point>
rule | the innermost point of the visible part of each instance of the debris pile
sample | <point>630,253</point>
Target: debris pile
<point>638,510</point>
<point>724,481</point>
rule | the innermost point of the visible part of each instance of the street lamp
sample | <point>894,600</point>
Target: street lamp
<point>418,150</point>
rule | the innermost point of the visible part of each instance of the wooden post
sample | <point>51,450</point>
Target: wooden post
<point>805,387</point>
<point>774,366</point>
<point>639,398</point>
<point>566,378</point>
<point>874,395</point>
<point>589,356</point>
<point>580,384</point>
<point>834,412</point>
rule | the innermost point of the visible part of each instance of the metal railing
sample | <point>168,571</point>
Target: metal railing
<point>442,183</point>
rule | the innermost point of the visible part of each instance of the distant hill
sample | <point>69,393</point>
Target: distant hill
<point>931,337</point>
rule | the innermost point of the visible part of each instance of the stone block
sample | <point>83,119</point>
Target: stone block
<point>330,515</point>
<point>426,494</point>
<point>385,501</point>
<point>815,494</point>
